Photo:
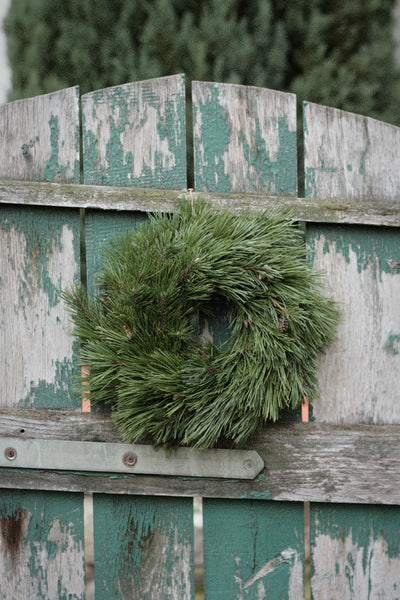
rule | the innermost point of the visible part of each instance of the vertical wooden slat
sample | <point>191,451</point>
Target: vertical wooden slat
<point>39,249</point>
<point>134,135</point>
<point>143,548</point>
<point>41,546</point>
<point>245,141</point>
<point>39,138</point>
<point>253,549</point>
<point>355,550</point>
<point>41,534</point>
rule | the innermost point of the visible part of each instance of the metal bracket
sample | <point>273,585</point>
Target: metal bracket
<point>60,455</point>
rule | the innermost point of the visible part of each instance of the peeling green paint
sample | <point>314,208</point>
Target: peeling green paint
<point>393,344</point>
<point>309,182</point>
<point>41,230</point>
<point>210,148</point>
<point>373,246</point>
<point>278,175</point>
<point>58,394</point>
<point>133,110</point>
<point>326,169</point>
<point>366,531</point>
<point>45,544</point>
<point>53,167</point>
<point>362,161</point>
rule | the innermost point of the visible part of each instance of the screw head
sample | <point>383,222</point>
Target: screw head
<point>10,453</point>
<point>129,459</point>
<point>248,464</point>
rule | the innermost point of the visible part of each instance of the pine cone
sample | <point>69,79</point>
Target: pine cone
<point>283,324</point>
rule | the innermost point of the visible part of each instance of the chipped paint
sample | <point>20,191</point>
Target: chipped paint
<point>134,134</point>
<point>393,344</point>
<point>40,258</point>
<point>41,546</point>
<point>355,552</point>
<point>43,139</point>
<point>236,153</point>
<point>359,278</point>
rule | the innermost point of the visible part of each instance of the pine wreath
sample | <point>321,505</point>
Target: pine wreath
<point>139,337</point>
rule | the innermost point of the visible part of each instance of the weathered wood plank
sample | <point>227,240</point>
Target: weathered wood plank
<point>358,374</point>
<point>143,548</point>
<point>39,138</point>
<point>41,546</point>
<point>253,550</point>
<point>244,139</point>
<point>348,156</point>
<point>355,552</point>
<point>134,134</point>
<point>386,212</point>
<point>303,461</point>
<point>40,257</point>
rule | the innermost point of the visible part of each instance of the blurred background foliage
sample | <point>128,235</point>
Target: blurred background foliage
<point>332,52</point>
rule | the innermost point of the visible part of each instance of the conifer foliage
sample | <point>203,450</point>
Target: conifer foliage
<point>335,53</point>
<point>148,361</point>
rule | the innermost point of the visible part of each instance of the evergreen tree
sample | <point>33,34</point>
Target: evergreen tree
<point>336,53</point>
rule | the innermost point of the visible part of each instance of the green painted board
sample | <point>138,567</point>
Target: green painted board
<point>253,549</point>
<point>134,134</point>
<point>244,139</point>
<point>41,546</point>
<point>355,552</point>
<point>101,226</point>
<point>39,249</point>
<point>143,548</point>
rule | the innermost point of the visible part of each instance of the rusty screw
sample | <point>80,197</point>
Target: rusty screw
<point>129,459</point>
<point>10,453</point>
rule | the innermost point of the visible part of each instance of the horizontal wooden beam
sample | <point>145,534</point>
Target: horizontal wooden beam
<point>303,462</point>
<point>62,195</point>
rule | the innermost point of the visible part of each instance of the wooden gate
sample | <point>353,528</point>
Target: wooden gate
<point>74,170</point>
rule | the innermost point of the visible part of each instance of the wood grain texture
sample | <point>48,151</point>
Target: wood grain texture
<point>39,138</point>
<point>303,462</point>
<point>40,257</point>
<point>134,134</point>
<point>355,552</point>
<point>348,156</point>
<point>358,374</point>
<point>244,139</point>
<point>253,550</point>
<point>41,546</point>
<point>143,548</point>
<point>314,210</point>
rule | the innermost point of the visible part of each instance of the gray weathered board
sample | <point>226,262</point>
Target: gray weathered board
<point>355,550</point>
<point>302,461</point>
<point>41,533</point>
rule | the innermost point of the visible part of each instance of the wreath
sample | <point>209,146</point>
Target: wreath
<point>140,335</point>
